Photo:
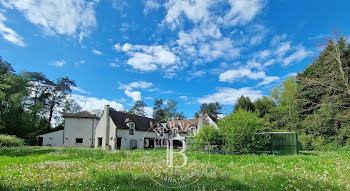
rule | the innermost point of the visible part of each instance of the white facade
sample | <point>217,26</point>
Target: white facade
<point>107,135</point>
<point>79,132</point>
<point>51,139</point>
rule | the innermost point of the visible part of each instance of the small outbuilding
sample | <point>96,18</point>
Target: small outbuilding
<point>282,142</point>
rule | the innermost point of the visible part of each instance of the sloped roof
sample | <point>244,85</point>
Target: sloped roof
<point>141,123</point>
<point>83,114</point>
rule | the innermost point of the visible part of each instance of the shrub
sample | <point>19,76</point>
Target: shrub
<point>10,140</point>
<point>206,136</point>
<point>240,132</point>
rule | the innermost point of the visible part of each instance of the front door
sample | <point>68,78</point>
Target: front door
<point>119,142</point>
<point>99,142</point>
<point>41,141</point>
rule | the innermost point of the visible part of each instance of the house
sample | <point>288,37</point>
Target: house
<point>79,131</point>
<point>120,130</point>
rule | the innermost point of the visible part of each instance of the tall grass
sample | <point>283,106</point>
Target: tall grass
<point>48,168</point>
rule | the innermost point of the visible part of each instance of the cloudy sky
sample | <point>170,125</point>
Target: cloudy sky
<point>193,51</point>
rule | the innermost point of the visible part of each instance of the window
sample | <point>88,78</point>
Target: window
<point>78,140</point>
<point>161,132</point>
<point>132,128</point>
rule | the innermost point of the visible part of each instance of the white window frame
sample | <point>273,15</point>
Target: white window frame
<point>132,128</point>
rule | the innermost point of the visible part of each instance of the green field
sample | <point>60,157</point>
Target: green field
<point>45,168</point>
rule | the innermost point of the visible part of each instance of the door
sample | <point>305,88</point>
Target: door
<point>99,142</point>
<point>119,142</point>
<point>41,139</point>
<point>133,144</point>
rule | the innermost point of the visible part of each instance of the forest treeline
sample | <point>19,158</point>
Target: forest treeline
<point>31,104</point>
<point>315,103</point>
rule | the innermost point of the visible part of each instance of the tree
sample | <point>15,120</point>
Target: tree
<point>325,94</point>
<point>172,112</point>
<point>70,106</point>
<point>59,91</point>
<point>264,106</point>
<point>212,109</point>
<point>240,131</point>
<point>245,104</point>
<point>138,108</point>
<point>159,111</point>
<point>285,115</point>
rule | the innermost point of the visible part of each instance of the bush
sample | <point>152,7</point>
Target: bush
<point>240,132</point>
<point>10,141</point>
<point>206,136</point>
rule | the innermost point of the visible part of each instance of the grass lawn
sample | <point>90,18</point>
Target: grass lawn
<point>48,168</point>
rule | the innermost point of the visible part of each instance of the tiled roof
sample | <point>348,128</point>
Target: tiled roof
<point>120,119</point>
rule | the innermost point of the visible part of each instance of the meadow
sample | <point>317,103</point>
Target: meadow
<point>49,168</point>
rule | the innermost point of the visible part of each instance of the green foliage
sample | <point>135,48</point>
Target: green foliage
<point>264,106</point>
<point>212,109</point>
<point>159,111</point>
<point>10,141</point>
<point>28,101</point>
<point>138,108</point>
<point>245,104</point>
<point>207,138</point>
<point>240,131</point>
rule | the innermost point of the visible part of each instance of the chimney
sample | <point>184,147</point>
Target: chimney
<point>106,113</point>
<point>200,121</point>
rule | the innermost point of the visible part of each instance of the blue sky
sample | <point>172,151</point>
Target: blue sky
<point>193,51</point>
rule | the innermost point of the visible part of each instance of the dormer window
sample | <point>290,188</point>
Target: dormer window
<point>132,128</point>
<point>175,131</point>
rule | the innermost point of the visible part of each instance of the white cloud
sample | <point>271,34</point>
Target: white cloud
<point>229,96</point>
<point>297,56</point>
<point>96,52</point>
<point>92,103</point>
<point>194,10</point>
<point>185,98</point>
<point>149,58</point>
<point>233,75</point>
<point>58,63</point>
<point>66,17</point>
<point>135,95</point>
<point>268,80</point>
<point>9,34</point>
<point>148,111</point>
<point>150,5</point>
<point>74,88</point>
<point>113,65</point>
<point>135,85</point>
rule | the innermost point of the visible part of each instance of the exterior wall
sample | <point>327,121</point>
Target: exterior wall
<point>79,128</point>
<point>138,136</point>
<point>53,138</point>
<point>100,131</point>
<point>114,133</point>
